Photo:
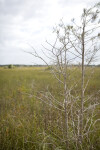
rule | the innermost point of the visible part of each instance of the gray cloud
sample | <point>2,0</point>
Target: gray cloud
<point>25,8</point>
<point>23,21</point>
<point>75,2</point>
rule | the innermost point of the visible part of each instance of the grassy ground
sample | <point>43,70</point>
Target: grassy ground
<point>24,119</point>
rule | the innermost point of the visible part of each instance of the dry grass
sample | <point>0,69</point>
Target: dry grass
<point>25,122</point>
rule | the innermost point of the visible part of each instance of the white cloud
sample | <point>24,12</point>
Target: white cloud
<point>31,21</point>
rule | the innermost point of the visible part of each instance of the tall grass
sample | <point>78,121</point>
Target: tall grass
<point>27,123</point>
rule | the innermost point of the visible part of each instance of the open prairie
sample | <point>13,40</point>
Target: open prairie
<point>27,122</point>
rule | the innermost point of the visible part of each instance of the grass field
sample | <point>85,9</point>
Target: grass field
<point>26,123</point>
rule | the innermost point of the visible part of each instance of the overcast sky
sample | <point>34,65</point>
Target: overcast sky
<point>32,21</point>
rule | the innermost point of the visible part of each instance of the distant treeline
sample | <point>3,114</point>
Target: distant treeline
<point>18,65</point>
<point>22,65</point>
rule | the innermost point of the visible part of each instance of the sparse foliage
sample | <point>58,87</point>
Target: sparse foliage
<point>74,43</point>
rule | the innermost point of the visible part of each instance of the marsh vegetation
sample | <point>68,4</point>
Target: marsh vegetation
<point>26,122</point>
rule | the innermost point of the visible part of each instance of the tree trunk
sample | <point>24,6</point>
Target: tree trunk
<point>82,87</point>
<point>65,103</point>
